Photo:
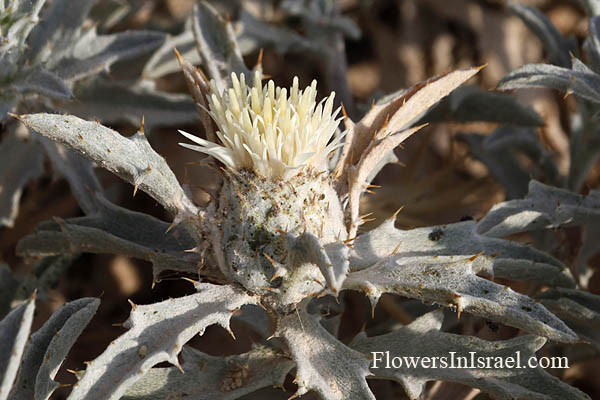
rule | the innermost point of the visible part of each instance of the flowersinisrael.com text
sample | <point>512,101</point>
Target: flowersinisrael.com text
<point>383,359</point>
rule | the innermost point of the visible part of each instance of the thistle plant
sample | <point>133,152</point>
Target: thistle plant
<point>283,232</point>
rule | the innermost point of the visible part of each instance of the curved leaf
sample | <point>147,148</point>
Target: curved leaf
<point>323,363</point>
<point>434,351</point>
<point>511,260</point>
<point>449,281</point>
<point>206,377</point>
<point>157,333</point>
<point>132,159</point>
<point>49,346</point>
<point>14,332</point>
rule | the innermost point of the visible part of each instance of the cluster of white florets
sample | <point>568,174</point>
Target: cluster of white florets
<point>264,130</point>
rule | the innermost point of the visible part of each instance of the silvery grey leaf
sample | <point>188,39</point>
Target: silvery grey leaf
<point>49,346</point>
<point>512,260</point>
<point>470,103</point>
<point>423,339</point>
<point>14,332</point>
<point>132,159</point>
<point>452,281</point>
<point>92,53</point>
<point>13,177</point>
<point>582,81</point>
<point>217,45</point>
<point>117,102</point>
<point>39,80</point>
<point>556,46</point>
<point>495,151</point>
<point>323,363</point>
<point>157,333</point>
<point>115,230</point>
<point>206,377</point>
<point>8,286</point>
<point>545,207</point>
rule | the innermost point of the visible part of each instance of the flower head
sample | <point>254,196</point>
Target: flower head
<point>263,129</point>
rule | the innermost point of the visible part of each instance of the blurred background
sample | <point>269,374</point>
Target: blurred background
<point>377,47</point>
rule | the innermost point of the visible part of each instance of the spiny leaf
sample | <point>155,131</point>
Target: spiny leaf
<point>511,260</point>
<point>545,207</point>
<point>207,377</point>
<point>115,230</point>
<point>374,154</point>
<point>323,363</point>
<point>157,332</point>
<point>132,159</point>
<point>579,309</point>
<point>49,346</point>
<point>397,114</point>
<point>580,80</point>
<point>423,342</point>
<point>453,282</point>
